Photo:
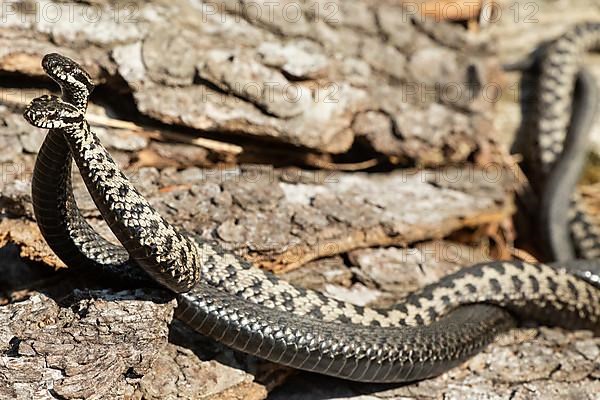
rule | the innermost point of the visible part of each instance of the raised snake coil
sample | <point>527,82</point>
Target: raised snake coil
<point>223,296</point>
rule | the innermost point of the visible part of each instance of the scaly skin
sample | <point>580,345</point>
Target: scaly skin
<point>242,306</point>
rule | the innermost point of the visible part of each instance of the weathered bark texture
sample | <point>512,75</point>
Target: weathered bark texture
<point>79,350</point>
<point>192,95</point>
<point>319,75</point>
<point>282,219</point>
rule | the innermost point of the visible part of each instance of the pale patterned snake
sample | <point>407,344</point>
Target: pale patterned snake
<point>222,296</point>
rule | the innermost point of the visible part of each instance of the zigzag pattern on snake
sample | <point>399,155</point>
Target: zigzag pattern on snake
<point>223,296</point>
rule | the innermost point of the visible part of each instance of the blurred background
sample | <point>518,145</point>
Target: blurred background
<point>363,148</point>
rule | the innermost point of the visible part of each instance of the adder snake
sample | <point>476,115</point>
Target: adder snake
<point>222,296</point>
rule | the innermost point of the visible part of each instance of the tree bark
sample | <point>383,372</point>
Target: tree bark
<point>352,147</point>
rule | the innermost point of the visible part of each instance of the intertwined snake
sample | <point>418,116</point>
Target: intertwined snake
<point>222,296</point>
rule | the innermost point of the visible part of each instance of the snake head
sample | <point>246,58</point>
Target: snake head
<point>71,77</point>
<point>50,112</point>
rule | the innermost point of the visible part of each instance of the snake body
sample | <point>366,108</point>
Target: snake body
<point>223,296</point>
<point>55,208</point>
<point>560,140</point>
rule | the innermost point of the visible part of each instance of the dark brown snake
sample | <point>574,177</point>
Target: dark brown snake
<point>222,296</point>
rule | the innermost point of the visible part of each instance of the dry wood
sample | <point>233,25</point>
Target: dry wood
<point>348,86</point>
<point>304,81</point>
